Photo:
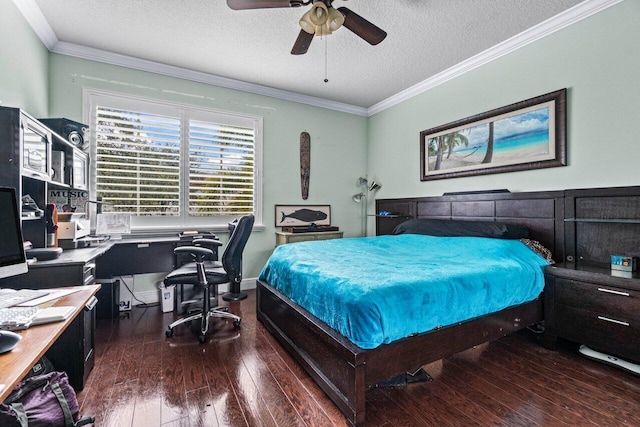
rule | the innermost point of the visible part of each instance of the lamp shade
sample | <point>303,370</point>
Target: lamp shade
<point>323,30</point>
<point>319,13</point>
<point>357,197</point>
<point>306,24</point>
<point>335,19</point>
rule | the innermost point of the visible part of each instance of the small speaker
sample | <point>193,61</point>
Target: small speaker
<point>74,132</point>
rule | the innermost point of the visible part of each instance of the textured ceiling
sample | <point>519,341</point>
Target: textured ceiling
<point>424,39</point>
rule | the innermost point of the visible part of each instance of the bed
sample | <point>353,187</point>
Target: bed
<point>345,365</point>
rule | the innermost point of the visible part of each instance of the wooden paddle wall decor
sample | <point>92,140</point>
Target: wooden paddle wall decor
<point>305,163</point>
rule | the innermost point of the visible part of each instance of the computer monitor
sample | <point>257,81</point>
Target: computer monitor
<point>13,260</point>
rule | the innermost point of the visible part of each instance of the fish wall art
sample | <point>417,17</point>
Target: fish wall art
<point>292,215</point>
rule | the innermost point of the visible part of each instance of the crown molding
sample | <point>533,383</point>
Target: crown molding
<point>43,30</point>
<point>98,55</point>
<point>550,26</point>
<point>34,17</point>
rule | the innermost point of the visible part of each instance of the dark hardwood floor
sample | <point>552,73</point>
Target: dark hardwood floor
<point>243,377</point>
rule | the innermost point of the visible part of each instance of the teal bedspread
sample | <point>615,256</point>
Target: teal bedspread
<point>375,290</point>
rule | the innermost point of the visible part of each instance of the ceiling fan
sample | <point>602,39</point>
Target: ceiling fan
<point>322,19</point>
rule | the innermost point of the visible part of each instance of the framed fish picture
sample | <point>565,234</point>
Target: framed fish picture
<point>302,215</point>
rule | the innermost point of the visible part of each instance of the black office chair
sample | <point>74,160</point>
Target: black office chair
<point>230,272</point>
<point>189,297</point>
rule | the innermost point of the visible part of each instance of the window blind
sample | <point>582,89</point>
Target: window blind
<point>138,162</point>
<point>173,166</point>
<point>221,169</point>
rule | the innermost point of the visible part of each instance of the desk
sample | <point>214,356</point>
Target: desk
<point>36,340</point>
<point>104,260</point>
<point>72,268</point>
<point>112,258</point>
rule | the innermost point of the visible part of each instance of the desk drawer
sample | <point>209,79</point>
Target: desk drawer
<point>89,273</point>
<point>613,334</point>
<point>598,298</point>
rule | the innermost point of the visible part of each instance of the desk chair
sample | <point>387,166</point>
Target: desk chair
<point>188,297</point>
<point>234,294</point>
<point>230,272</point>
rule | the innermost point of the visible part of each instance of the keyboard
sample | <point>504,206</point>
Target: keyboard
<point>9,298</point>
<point>17,318</point>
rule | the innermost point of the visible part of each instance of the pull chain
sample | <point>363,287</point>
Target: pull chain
<point>326,80</point>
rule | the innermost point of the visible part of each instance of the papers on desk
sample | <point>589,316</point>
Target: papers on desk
<point>52,314</point>
<point>52,296</point>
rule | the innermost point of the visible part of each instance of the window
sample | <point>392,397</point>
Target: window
<point>173,166</point>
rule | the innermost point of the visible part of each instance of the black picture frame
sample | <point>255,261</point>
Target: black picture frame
<point>526,135</point>
<point>302,215</point>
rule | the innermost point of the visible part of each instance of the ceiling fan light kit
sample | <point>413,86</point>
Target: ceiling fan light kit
<point>321,20</point>
<point>318,13</point>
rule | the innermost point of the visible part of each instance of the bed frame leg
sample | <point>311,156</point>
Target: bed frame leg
<point>356,397</point>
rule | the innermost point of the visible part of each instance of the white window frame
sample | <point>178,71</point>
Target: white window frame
<point>94,97</point>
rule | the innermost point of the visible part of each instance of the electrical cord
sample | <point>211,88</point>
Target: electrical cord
<point>142,303</point>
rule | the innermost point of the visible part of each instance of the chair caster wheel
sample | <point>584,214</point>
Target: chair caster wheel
<point>236,323</point>
<point>201,339</point>
<point>169,332</point>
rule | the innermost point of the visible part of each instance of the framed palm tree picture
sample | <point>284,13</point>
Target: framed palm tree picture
<point>530,134</point>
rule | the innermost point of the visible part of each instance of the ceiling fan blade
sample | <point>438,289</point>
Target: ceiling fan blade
<point>361,27</point>
<point>261,4</point>
<point>302,43</point>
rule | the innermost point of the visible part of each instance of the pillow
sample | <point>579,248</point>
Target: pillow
<point>539,248</point>
<point>457,228</point>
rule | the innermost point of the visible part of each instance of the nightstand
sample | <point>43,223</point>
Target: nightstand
<point>283,237</point>
<point>589,305</point>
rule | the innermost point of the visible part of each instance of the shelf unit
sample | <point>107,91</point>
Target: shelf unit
<point>600,223</point>
<point>25,163</point>
<point>69,163</point>
<point>585,300</point>
<point>26,147</point>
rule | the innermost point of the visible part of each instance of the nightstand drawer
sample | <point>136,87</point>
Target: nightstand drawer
<point>607,332</point>
<point>598,298</point>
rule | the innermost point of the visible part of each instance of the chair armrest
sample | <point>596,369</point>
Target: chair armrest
<point>198,251</point>
<point>207,242</point>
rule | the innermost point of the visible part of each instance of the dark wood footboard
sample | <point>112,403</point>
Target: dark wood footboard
<point>345,371</point>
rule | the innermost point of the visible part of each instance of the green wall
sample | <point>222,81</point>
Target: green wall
<point>23,63</point>
<point>47,84</point>
<point>596,59</point>
<point>338,140</point>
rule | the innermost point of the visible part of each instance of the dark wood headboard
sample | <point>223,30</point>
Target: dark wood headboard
<point>600,222</point>
<point>541,212</point>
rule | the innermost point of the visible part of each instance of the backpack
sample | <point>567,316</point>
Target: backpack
<point>42,401</point>
<point>42,366</point>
